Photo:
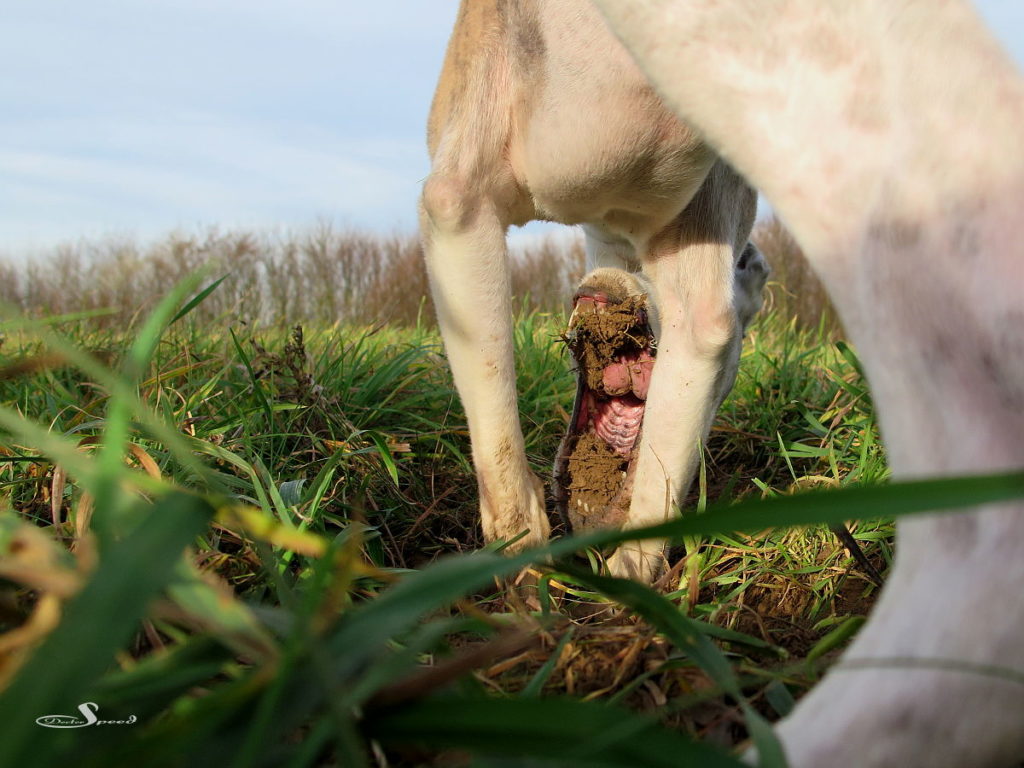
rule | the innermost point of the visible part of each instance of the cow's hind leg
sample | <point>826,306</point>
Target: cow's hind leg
<point>464,239</point>
<point>892,151</point>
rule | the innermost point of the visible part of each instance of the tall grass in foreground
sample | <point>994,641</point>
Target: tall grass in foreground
<point>245,544</point>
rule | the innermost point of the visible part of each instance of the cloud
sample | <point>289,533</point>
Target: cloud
<point>145,117</point>
<point>198,168</point>
<point>122,115</point>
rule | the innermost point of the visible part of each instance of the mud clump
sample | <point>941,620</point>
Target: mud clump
<point>596,477</point>
<point>600,335</point>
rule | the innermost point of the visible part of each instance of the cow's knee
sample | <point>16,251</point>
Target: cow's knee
<point>447,201</point>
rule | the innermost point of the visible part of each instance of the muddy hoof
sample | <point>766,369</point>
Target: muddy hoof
<point>612,343</point>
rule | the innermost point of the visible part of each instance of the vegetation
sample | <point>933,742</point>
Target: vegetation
<point>334,605</point>
<point>323,276</point>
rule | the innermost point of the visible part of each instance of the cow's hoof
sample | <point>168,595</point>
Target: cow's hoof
<point>640,561</point>
<point>516,516</point>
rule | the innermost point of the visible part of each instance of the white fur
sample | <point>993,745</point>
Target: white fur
<point>888,135</point>
<point>540,113</point>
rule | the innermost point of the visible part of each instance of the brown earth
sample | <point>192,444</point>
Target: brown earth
<point>599,335</point>
<point>596,476</point>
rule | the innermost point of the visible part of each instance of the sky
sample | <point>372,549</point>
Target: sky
<point>132,119</point>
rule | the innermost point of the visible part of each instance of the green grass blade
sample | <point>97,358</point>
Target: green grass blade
<point>837,637</point>
<point>198,299</point>
<point>831,506</point>
<point>109,500</point>
<point>536,684</point>
<point>145,689</point>
<point>385,455</point>
<point>257,388</point>
<point>688,636</point>
<point>778,695</point>
<point>96,622</point>
<point>144,347</point>
<point>58,448</point>
<point>559,731</point>
<point>769,748</point>
<point>685,633</point>
<point>215,609</point>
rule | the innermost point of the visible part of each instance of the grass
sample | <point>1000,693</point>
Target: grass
<point>332,606</point>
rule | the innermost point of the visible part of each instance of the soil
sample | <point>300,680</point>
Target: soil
<point>599,336</point>
<point>596,477</point>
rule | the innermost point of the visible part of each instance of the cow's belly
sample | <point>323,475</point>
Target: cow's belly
<point>592,143</point>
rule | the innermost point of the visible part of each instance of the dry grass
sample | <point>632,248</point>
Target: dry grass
<point>326,275</point>
<point>321,276</point>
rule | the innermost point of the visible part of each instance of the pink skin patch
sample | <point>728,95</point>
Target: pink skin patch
<point>617,422</point>
<point>614,357</point>
<point>631,373</point>
<point>618,413</point>
<point>597,298</point>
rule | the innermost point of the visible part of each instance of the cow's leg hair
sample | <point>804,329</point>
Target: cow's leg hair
<point>464,239</point>
<point>887,135</point>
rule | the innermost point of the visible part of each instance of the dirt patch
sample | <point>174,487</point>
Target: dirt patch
<point>591,478</point>
<point>850,598</point>
<point>596,476</point>
<point>606,655</point>
<point>600,335</point>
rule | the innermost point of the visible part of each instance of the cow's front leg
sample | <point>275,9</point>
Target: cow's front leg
<point>611,336</point>
<point>464,240</point>
<point>697,352</point>
<point>700,289</point>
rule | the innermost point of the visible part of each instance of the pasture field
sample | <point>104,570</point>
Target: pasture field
<point>334,462</point>
<point>248,544</point>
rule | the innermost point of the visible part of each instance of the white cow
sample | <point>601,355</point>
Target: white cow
<point>541,114</point>
<point>888,134</point>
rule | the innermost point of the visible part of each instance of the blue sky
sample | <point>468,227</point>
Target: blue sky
<point>135,118</point>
